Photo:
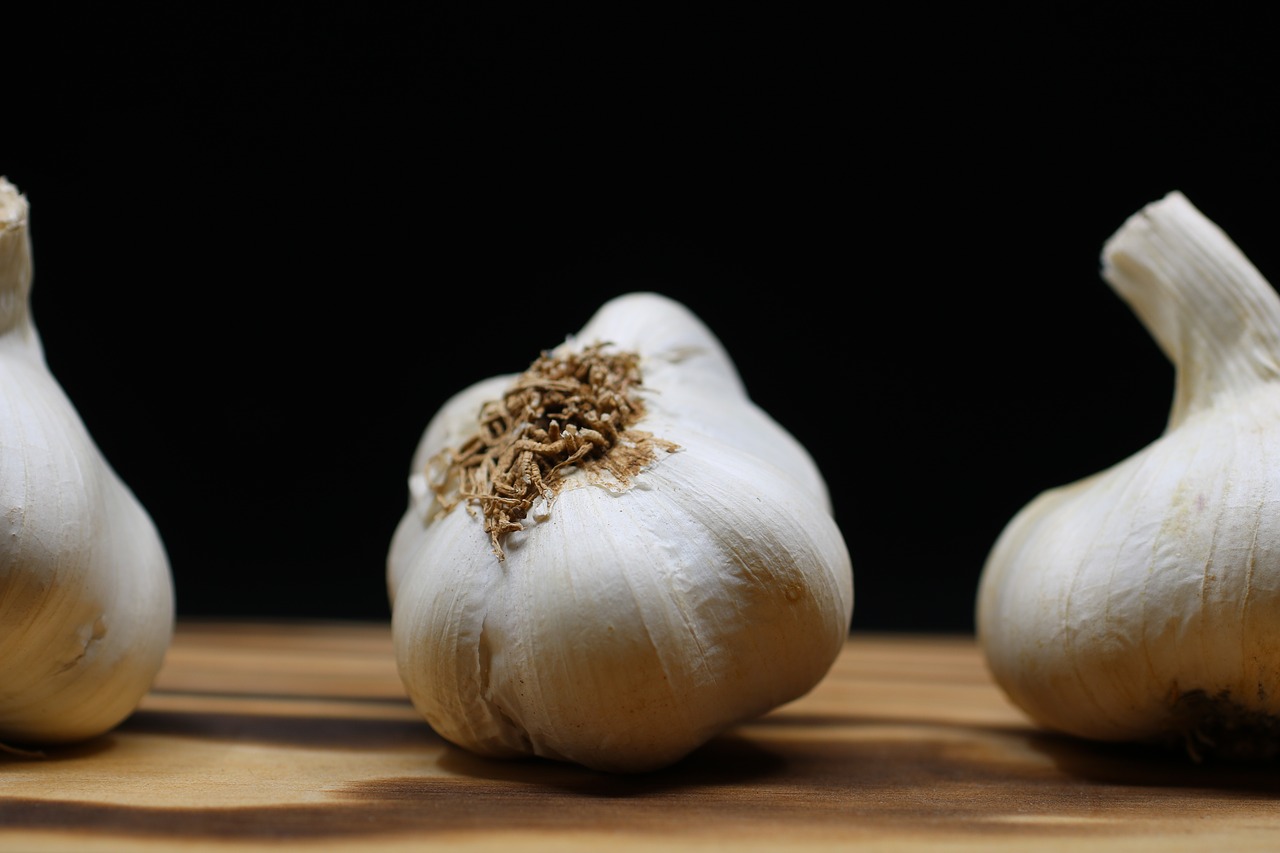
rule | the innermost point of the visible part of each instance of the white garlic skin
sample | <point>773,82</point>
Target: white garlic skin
<point>626,628</point>
<point>1106,603</point>
<point>86,598</point>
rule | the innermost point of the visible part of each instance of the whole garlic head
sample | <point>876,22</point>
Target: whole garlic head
<point>1140,603</point>
<point>86,598</point>
<point>614,556</point>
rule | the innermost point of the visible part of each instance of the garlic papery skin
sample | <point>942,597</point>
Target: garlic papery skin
<point>86,597</point>
<point>641,609</point>
<point>1140,604</point>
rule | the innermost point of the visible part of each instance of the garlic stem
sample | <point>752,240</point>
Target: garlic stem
<point>15,264</point>
<point>1210,310</point>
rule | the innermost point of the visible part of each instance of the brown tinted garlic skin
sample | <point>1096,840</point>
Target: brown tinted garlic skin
<point>1141,603</point>
<point>86,598</point>
<point>651,560</point>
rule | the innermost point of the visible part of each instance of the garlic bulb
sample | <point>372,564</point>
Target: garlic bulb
<point>1140,603</point>
<point>616,555</point>
<point>86,598</point>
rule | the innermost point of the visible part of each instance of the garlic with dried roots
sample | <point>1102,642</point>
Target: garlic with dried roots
<point>86,598</point>
<point>1140,603</point>
<point>616,555</point>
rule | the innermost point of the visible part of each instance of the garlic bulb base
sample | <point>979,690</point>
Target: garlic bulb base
<point>1219,728</point>
<point>570,411</point>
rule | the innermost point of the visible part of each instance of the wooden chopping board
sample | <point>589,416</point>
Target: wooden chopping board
<point>266,736</point>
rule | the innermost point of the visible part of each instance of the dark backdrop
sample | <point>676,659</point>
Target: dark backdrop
<point>269,244</point>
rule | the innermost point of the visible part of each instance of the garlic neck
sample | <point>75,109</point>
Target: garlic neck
<point>1210,310</point>
<point>15,267</point>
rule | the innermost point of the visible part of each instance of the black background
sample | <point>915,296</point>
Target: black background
<point>270,243</point>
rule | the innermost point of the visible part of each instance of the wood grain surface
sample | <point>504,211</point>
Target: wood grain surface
<point>299,736</point>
